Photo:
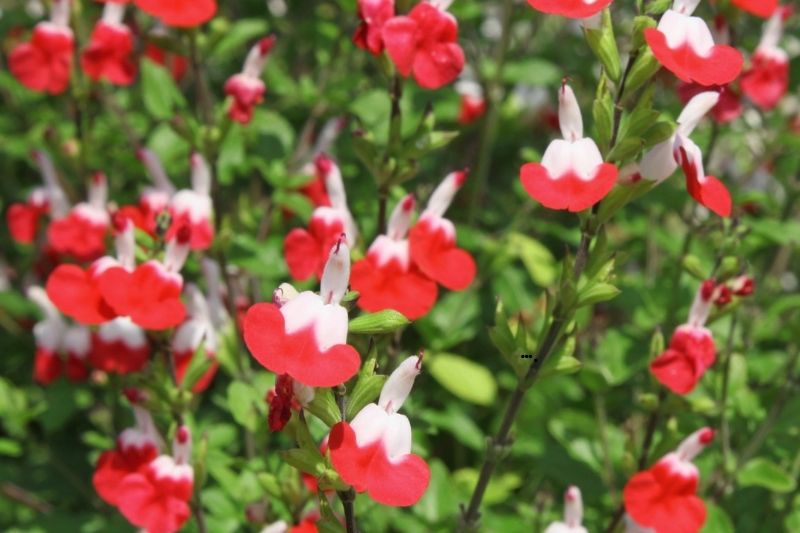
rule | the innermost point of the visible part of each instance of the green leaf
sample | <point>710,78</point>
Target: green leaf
<point>761,472</point>
<point>324,407</point>
<point>538,261</point>
<point>604,46</point>
<point>619,197</point>
<point>565,364</point>
<point>386,321</point>
<point>467,380</point>
<point>238,38</point>
<point>308,461</point>
<point>538,72</point>
<point>499,489</point>
<point>159,92</point>
<point>241,402</point>
<point>367,389</point>
<point>644,67</point>
<point>603,113</point>
<point>599,292</point>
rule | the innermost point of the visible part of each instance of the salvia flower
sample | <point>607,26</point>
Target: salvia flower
<point>23,218</point>
<point>120,347</point>
<point>108,54</point>
<point>83,231</point>
<point>661,161</point>
<point>247,88</point>
<point>387,278</point>
<point>432,240</point>
<point>574,9</point>
<point>691,349</point>
<point>179,13</point>
<point>199,329</point>
<point>193,207</point>
<point>157,497</point>
<point>424,44</point>
<point>373,15</point>
<point>572,174</point>
<point>373,451</point>
<point>473,103</point>
<point>767,79</point>
<point>306,336</point>
<point>135,448</point>
<point>306,250</point>
<point>729,106</point>
<point>683,44</point>
<point>44,63</point>
<point>153,200</point>
<point>573,514</point>
<point>664,497</point>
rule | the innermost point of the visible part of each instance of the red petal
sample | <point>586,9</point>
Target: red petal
<point>568,191</point>
<point>46,366</point>
<point>302,254</point>
<point>387,287</point>
<point>146,505</point>
<point>350,461</point>
<point>438,65</point>
<point>400,41</point>
<point>180,13</point>
<point>760,8</point>
<point>676,371</point>
<point>296,354</point>
<point>653,503</point>
<point>437,257</point>
<point>720,67</point>
<point>575,9</point>
<point>23,221</point>
<point>76,294</point>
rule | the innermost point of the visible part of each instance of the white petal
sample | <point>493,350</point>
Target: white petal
<point>201,175</point>
<point>573,507</point>
<point>123,329</point>
<point>398,386</point>
<point>397,436</point>
<point>695,443</point>
<point>400,220</point>
<point>301,311</point>
<point>387,249</point>
<point>369,424</point>
<point>659,163</point>
<point>330,326</point>
<point>156,171</point>
<point>113,13</point>
<point>581,157</point>
<point>569,114</point>
<point>125,244</point>
<point>443,196</point>
<point>693,154</point>
<point>98,191</point>
<point>699,36</point>
<point>685,7</point>
<point>78,341</point>
<point>336,275</point>
<point>695,110</point>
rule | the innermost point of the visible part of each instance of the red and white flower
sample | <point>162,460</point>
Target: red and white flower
<point>373,451</point>
<point>108,54</point>
<point>247,88</point>
<point>728,108</point>
<point>193,207</point>
<point>387,278</point>
<point>759,8</point>
<point>156,497</point>
<point>691,349</point>
<point>424,44</point>
<point>136,447</point>
<point>473,102</point>
<point>573,514</point>
<point>664,497</point>
<point>432,240</point>
<point>767,79</point>
<point>572,174</point>
<point>661,161</point>
<point>153,200</point>
<point>373,15</point>
<point>199,328</point>
<point>306,336</point>
<point>83,231</point>
<point>306,250</point>
<point>23,218</point>
<point>574,9</point>
<point>150,293</point>
<point>44,63</point>
<point>179,13</point>
<point>683,44</point>
<point>119,347</point>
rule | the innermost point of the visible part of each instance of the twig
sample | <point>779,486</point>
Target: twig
<point>348,496</point>
<point>22,496</point>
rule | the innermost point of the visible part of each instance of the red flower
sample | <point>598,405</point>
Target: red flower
<point>574,9</point>
<point>572,174</point>
<point>472,108</point>
<point>82,232</point>
<point>23,219</point>
<point>760,8</point>
<point>573,514</point>
<point>373,452</point>
<point>373,15</point>
<point>707,190</point>
<point>306,251</point>
<point>425,44</point>
<point>179,13</point>
<point>193,208</point>
<point>728,108</point>
<point>44,63</point>
<point>247,88</point>
<point>136,447</point>
<point>767,79</point>
<point>386,278</point>
<point>120,347</point>
<point>663,498</point>
<point>306,336</point>
<point>683,45</point>
<point>157,496</point>
<point>108,55</point>
<point>432,240</point>
<point>76,292</point>
<point>743,285</point>
<point>153,200</point>
<point>47,366</point>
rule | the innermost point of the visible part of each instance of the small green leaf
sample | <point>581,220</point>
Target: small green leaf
<point>366,391</point>
<point>386,321</point>
<point>761,472</point>
<point>604,46</point>
<point>159,92</point>
<point>599,292</point>
<point>467,380</point>
<point>324,407</point>
<point>241,402</point>
<point>307,461</point>
<point>538,261</point>
<point>693,265</point>
<point>644,67</point>
<point>565,364</point>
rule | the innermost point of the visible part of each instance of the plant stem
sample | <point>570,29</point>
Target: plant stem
<point>348,496</point>
<point>724,423</point>
<point>393,144</point>
<point>499,444</point>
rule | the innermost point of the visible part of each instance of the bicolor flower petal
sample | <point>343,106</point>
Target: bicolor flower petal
<point>767,79</point>
<point>572,174</point>
<point>306,337</point>
<point>193,207</point>
<point>373,15</point>
<point>246,88</point>
<point>108,54</point>
<point>573,514</point>
<point>574,9</point>
<point>83,231</point>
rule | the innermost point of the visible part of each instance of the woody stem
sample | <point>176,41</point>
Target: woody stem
<point>499,444</point>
